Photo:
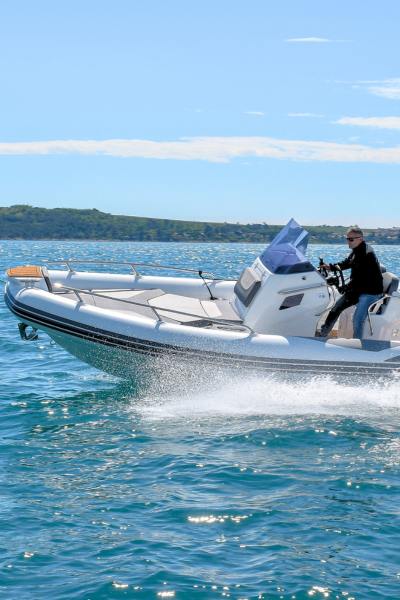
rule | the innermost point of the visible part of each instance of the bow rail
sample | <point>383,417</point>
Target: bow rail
<point>133,265</point>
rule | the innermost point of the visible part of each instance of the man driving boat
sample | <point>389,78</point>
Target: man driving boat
<point>365,286</point>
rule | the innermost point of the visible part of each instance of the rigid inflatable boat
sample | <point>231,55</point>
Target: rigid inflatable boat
<point>267,320</point>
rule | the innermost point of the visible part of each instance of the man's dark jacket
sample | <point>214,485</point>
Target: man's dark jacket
<point>366,274</point>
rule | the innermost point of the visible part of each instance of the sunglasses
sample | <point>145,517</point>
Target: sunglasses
<point>351,239</point>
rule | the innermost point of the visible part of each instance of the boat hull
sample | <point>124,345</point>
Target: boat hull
<point>146,351</point>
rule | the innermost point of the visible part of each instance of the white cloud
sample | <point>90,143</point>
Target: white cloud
<point>390,88</point>
<point>306,114</point>
<point>255,113</point>
<point>308,40</point>
<point>377,122</point>
<point>211,149</point>
<point>385,88</point>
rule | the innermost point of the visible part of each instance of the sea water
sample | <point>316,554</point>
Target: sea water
<point>237,487</point>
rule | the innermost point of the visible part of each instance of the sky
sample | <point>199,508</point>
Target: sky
<point>219,110</point>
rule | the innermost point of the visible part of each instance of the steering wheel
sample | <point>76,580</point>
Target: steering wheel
<point>336,279</point>
<point>321,268</point>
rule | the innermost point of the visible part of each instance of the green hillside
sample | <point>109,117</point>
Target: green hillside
<point>32,223</point>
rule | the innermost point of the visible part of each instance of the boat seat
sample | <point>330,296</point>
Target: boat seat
<point>203,309</point>
<point>354,343</point>
<point>390,285</point>
<point>200,311</point>
<point>113,297</point>
<point>345,342</point>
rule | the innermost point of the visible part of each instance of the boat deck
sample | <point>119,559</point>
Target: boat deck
<point>157,304</point>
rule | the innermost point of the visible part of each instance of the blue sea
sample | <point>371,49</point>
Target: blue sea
<point>238,487</point>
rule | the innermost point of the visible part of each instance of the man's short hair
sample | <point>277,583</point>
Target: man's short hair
<point>356,230</point>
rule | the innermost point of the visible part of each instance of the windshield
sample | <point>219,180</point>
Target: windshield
<point>286,253</point>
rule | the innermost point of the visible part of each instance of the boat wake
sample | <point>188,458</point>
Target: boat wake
<point>254,396</point>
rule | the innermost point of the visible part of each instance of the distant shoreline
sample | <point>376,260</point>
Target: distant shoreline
<point>116,241</point>
<point>27,223</point>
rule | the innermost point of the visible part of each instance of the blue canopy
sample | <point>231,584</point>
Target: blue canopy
<point>286,253</point>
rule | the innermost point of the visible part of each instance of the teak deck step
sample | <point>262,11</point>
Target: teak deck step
<point>26,271</point>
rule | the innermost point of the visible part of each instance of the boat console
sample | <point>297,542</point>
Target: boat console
<point>282,293</point>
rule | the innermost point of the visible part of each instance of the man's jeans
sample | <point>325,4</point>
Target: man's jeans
<point>361,312</point>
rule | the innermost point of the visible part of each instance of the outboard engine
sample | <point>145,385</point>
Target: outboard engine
<point>282,293</point>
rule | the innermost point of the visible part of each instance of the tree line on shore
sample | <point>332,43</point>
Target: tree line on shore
<point>33,223</point>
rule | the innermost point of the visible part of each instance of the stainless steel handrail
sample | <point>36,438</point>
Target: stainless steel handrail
<point>133,265</point>
<point>78,291</point>
<point>376,305</point>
